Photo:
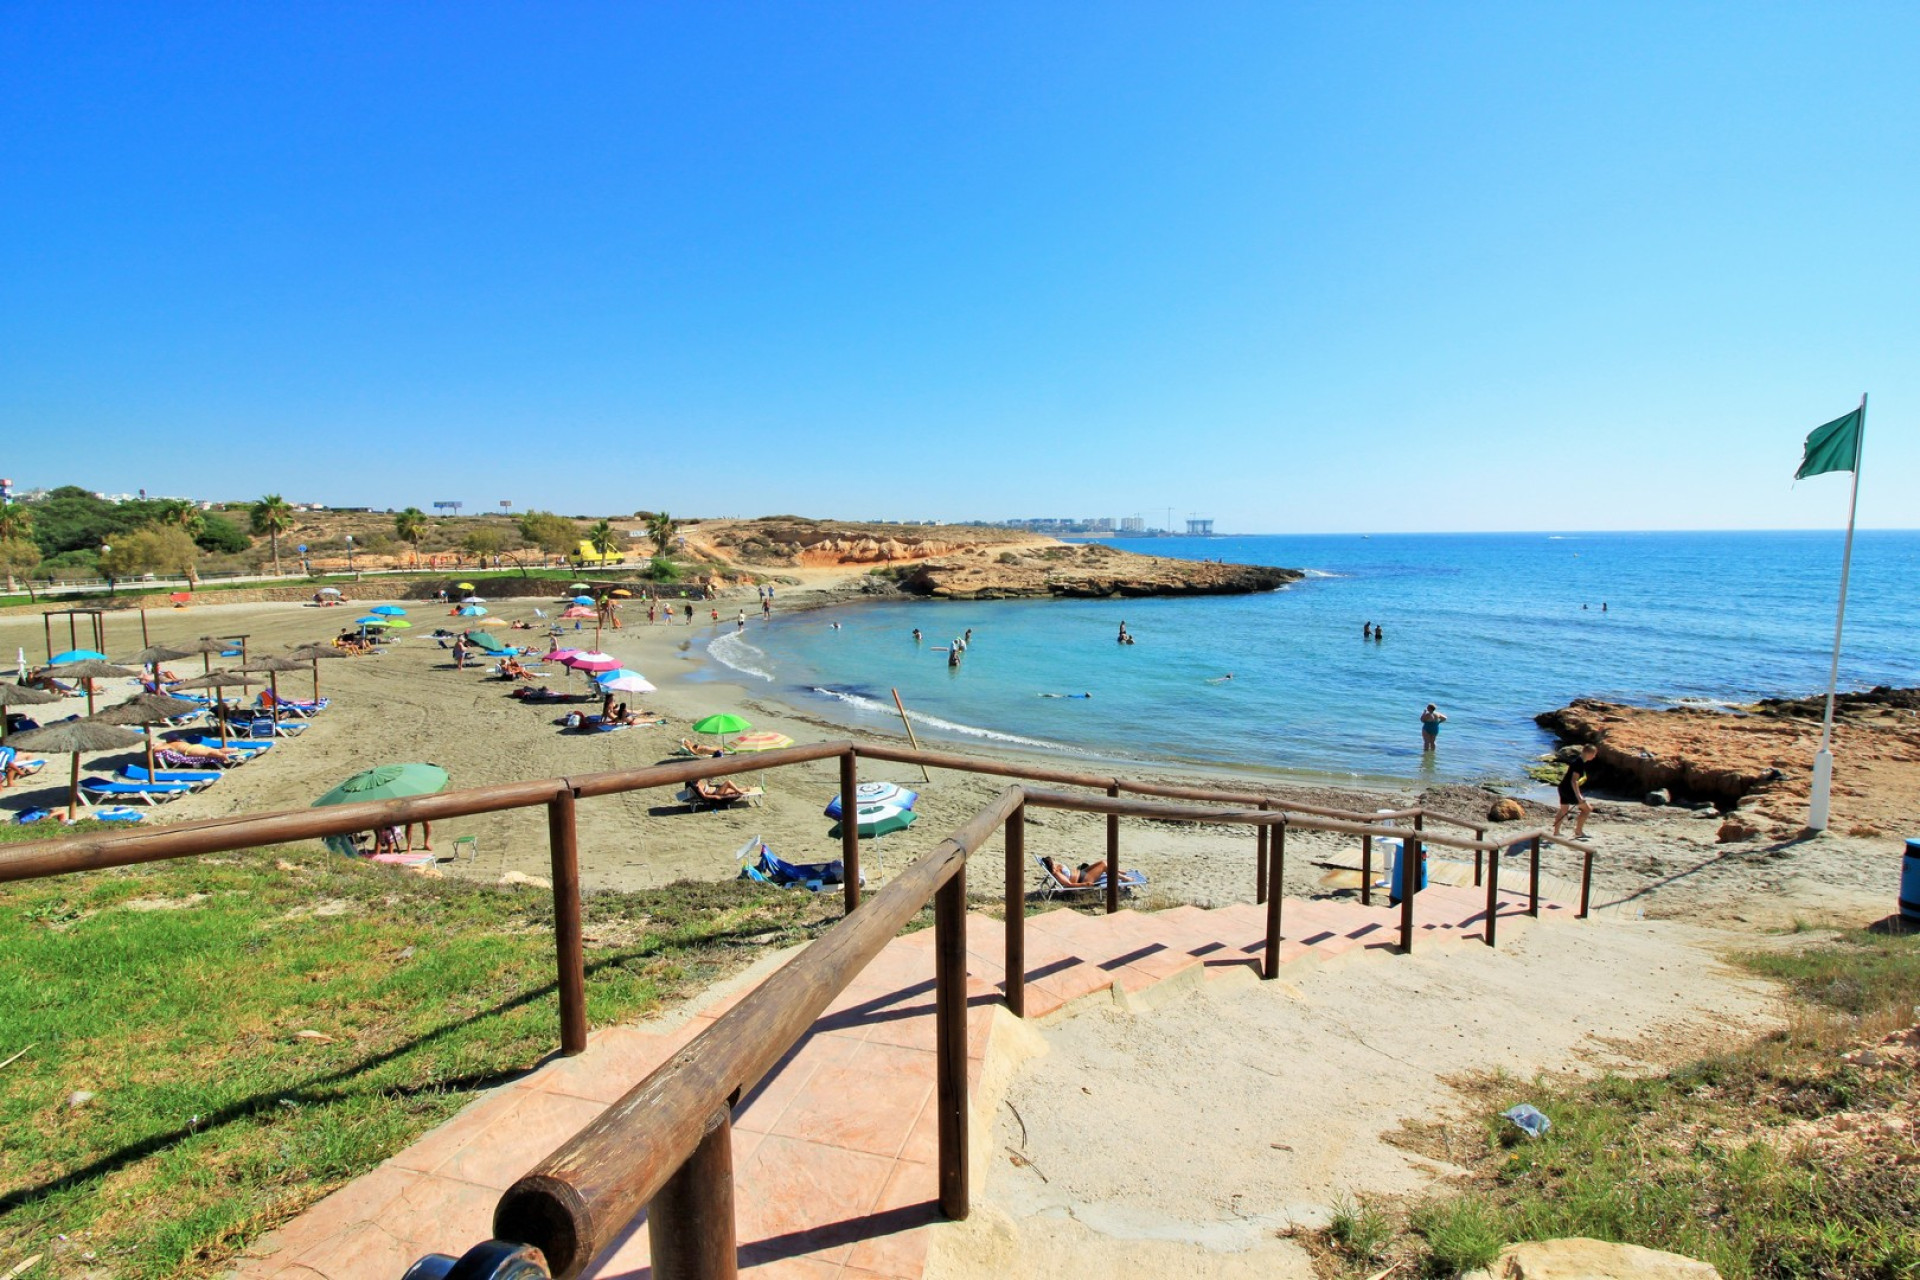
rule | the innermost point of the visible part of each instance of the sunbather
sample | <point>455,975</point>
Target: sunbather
<point>1089,875</point>
<point>700,749</point>
<point>201,751</point>
<point>717,790</point>
<point>510,669</point>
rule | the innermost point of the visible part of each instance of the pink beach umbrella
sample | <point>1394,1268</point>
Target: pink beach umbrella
<point>558,655</point>
<point>591,661</point>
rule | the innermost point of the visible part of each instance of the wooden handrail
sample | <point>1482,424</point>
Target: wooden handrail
<point>573,1202</point>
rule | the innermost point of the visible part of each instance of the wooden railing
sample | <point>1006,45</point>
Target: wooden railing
<point>667,1144</point>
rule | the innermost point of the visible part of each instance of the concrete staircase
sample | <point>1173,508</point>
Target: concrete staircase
<point>834,1153</point>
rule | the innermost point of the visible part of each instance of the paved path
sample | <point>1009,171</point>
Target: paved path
<point>834,1154</point>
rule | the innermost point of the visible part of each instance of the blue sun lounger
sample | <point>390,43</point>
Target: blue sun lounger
<point>246,746</point>
<point>92,789</point>
<point>195,778</point>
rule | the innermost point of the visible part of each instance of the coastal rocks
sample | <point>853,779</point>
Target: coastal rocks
<point>1093,571</point>
<point>1736,829</point>
<point>800,542</point>
<point>1506,809</point>
<point>1579,1258</point>
<point>1659,796</point>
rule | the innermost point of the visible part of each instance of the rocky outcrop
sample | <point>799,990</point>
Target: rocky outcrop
<point>1759,761</point>
<point>1093,570</point>
<point>1578,1258</point>
<point>796,542</point>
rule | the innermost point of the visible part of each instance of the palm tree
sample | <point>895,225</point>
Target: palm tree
<point>603,539</point>
<point>16,523</point>
<point>181,514</point>
<point>273,517</point>
<point>411,526</point>
<point>661,528</point>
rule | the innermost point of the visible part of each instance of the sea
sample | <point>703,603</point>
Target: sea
<point>1493,628</point>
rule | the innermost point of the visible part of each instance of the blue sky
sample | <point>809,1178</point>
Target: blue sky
<point>1296,267</point>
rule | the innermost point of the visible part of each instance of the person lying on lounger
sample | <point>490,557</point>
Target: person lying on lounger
<point>201,751</point>
<point>700,749</point>
<point>1089,875</point>
<point>510,669</point>
<point>717,790</point>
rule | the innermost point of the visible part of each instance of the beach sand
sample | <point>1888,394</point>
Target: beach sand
<point>411,704</point>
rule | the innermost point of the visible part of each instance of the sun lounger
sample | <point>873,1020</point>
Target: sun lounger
<point>245,746</point>
<point>198,779</point>
<point>12,767</point>
<point>699,751</point>
<point>704,793</point>
<point>1052,886</point>
<point>299,706</point>
<point>95,789</point>
<point>185,760</point>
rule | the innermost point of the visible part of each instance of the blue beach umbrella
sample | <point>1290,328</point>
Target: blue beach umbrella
<point>76,655</point>
<point>583,599</point>
<point>473,611</point>
<point>389,610</point>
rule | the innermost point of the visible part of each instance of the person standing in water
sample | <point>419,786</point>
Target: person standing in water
<point>916,635</point>
<point>1430,722</point>
<point>1366,631</point>
<point>1379,634</point>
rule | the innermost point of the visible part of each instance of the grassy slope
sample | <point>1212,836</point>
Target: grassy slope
<point>1696,1161</point>
<point>177,994</point>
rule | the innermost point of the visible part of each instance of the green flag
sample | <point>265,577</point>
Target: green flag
<point>1834,447</point>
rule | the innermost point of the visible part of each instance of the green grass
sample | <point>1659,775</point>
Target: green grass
<point>176,994</point>
<point>1699,1160</point>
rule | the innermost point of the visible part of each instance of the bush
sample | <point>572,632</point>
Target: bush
<point>1462,1235</point>
<point>661,569</point>
<point>221,536</point>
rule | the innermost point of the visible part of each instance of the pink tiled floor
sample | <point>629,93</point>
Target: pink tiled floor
<point>834,1153</point>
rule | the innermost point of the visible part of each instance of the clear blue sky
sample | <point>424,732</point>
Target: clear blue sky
<point>1297,267</point>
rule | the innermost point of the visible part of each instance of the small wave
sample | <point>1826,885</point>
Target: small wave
<point>934,722</point>
<point>1321,573</point>
<point>734,651</point>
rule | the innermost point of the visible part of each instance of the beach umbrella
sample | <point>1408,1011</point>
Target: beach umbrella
<point>558,655</point>
<point>387,782</point>
<point>388,610</point>
<point>590,661</point>
<point>20,695</point>
<point>487,622</point>
<point>153,655</point>
<point>219,682</point>
<point>77,737</point>
<point>206,647</point>
<point>624,680</point>
<point>481,640</point>
<point>868,794</point>
<point>273,666</point>
<point>578,611</point>
<point>329,591</point>
<point>725,722</point>
<point>880,819</point>
<point>621,592</point>
<point>147,710</point>
<point>464,586</point>
<point>75,655</point>
<point>580,586</point>
<point>86,671</point>
<point>473,611</point>
<point>473,600</point>
<point>763,741</point>
<point>372,620</point>
<point>583,599</point>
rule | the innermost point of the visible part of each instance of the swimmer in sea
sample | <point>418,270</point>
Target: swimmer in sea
<point>1221,679</point>
<point>916,635</point>
<point>1066,695</point>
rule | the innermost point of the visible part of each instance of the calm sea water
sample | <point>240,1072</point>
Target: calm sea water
<point>1493,627</point>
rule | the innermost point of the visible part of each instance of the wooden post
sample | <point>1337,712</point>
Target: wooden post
<point>1493,891</point>
<point>690,1219</point>
<point>950,1039</point>
<point>146,643</point>
<point>1113,855</point>
<point>850,828</point>
<point>1366,871</point>
<point>1278,843</point>
<point>1479,833</point>
<point>1016,923</point>
<point>1412,859</point>
<point>1533,881</point>
<point>563,840</point>
<point>902,707</point>
<point>1586,882</point>
<point>1260,863</point>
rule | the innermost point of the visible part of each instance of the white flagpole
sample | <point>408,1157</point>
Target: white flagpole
<point>1822,792</point>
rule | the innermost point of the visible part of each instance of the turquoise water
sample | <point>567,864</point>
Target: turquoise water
<point>1490,626</point>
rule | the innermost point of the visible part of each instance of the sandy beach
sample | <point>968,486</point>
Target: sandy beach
<point>410,703</point>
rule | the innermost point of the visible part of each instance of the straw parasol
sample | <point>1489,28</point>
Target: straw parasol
<point>314,653</point>
<point>153,655</point>
<point>20,695</point>
<point>76,737</point>
<point>273,666</point>
<point>147,710</point>
<point>218,681</point>
<point>206,647</point>
<point>86,671</point>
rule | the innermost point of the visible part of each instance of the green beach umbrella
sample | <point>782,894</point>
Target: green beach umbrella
<point>722,723</point>
<point>879,819</point>
<point>387,782</point>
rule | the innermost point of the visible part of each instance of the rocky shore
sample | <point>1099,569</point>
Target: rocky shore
<point>1756,763</point>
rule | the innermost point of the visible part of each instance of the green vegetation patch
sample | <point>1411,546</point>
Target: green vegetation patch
<point>207,1047</point>
<point>1793,1156</point>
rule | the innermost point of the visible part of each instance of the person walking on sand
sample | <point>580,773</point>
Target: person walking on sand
<point>1430,722</point>
<point>1572,795</point>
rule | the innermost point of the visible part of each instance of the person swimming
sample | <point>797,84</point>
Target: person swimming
<point>1066,695</point>
<point>1221,679</point>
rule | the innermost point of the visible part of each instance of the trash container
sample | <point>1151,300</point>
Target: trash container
<point>1399,870</point>
<point>1910,883</point>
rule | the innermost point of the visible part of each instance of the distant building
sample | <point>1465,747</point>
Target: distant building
<point>1132,524</point>
<point>1199,528</point>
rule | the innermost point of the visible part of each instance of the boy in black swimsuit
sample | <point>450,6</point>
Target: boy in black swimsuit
<point>1571,796</point>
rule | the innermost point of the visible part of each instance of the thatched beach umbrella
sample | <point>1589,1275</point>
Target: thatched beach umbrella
<point>219,681</point>
<point>76,737</point>
<point>273,666</point>
<point>153,655</point>
<point>20,695</point>
<point>147,710</point>
<point>86,672</point>
<point>206,647</point>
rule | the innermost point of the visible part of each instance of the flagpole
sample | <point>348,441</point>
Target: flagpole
<point>1818,801</point>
